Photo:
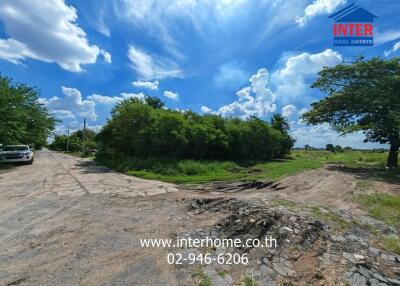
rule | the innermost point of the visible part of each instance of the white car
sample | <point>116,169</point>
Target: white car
<point>15,154</point>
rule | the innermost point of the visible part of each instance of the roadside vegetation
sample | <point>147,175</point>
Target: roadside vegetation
<point>361,96</point>
<point>23,119</point>
<point>145,139</point>
<point>391,243</point>
<point>146,129</point>
<point>75,142</point>
<point>202,171</point>
<point>382,206</point>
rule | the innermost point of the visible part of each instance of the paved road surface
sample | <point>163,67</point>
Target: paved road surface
<point>65,221</point>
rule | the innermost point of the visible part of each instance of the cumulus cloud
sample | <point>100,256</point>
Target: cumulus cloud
<point>253,100</point>
<point>126,95</point>
<point>63,114</point>
<point>320,135</point>
<point>395,48</point>
<point>302,111</point>
<point>149,67</point>
<point>71,108</point>
<point>318,7</point>
<point>287,84</point>
<point>290,81</point>
<point>288,110</point>
<point>153,85</point>
<point>46,31</point>
<point>112,100</point>
<point>171,95</point>
<point>106,56</point>
<point>206,109</point>
<point>13,51</point>
<point>73,102</point>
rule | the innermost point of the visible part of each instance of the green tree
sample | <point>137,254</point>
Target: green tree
<point>139,129</point>
<point>154,102</point>
<point>362,96</point>
<point>75,141</point>
<point>280,123</point>
<point>23,120</point>
<point>330,147</point>
<point>338,148</point>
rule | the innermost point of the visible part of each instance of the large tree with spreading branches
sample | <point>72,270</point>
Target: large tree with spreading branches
<point>363,95</point>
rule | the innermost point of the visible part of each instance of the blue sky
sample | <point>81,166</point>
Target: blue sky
<point>230,57</point>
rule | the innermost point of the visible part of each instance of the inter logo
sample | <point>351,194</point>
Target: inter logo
<point>353,26</point>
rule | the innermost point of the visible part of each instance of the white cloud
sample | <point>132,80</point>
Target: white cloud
<point>160,17</point>
<point>46,31</point>
<point>290,81</point>
<point>253,100</point>
<point>386,36</point>
<point>106,56</point>
<point>72,108</point>
<point>206,109</point>
<point>133,95</point>
<point>13,51</point>
<point>73,102</point>
<point>152,67</point>
<point>63,114</point>
<point>318,7</point>
<point>112,100</point>
<point>103,99</point>
<point>320,135</point>
<point>288,110</point>
<point>302,111</point>
<point>171,95</point>
<point>395,48</point>
<point>153,85</point>
<point>288,84</point>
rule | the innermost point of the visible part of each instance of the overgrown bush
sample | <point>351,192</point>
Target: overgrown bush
<point>145,129</point>
<point>75,141</point>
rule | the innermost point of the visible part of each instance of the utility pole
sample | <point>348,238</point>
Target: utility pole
<point>67,140</point>
<point>84,136</point>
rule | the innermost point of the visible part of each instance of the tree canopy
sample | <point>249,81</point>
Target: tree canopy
<point>23,120</point>
<point>363,95</point>
<point>145,129</point>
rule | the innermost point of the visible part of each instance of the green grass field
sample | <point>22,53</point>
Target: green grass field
<point>382,206</point>
<point>192,172</point>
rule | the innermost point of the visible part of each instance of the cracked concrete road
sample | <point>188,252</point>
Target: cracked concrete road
<point>68,176</point>
<point>65,221</point>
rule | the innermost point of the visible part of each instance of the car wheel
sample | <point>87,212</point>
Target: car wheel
<point>30,162</point>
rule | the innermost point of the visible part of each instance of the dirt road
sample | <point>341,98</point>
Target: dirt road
<point>66,221</point>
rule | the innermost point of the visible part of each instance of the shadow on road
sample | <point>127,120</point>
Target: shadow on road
<point>376,173</point>
<point>90,167</point>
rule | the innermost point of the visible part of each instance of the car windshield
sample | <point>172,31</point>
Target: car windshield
<point>15,148</point>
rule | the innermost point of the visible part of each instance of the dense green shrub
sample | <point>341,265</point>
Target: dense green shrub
<point>145,129</point>
<point>75,141</point>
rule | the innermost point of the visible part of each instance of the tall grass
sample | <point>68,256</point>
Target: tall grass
<point>383,207</point>
<point>197,171</point>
